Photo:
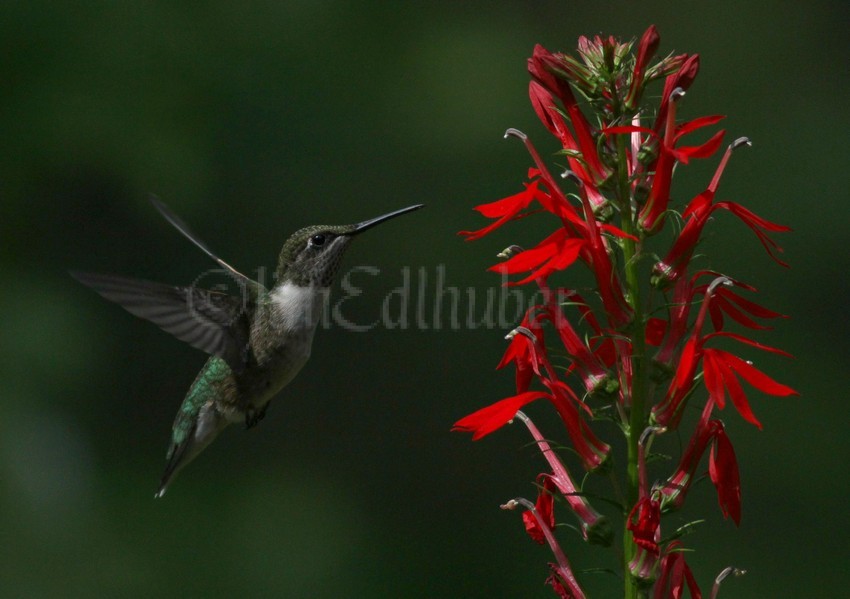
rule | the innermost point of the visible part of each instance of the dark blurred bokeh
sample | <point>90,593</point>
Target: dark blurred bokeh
<point>254,119</point>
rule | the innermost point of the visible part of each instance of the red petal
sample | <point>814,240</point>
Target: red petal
<point>743,339</point>
<point>544,105</point>
<point>509,205</point>
<point>713,372</point>
<point>675,572</point>
<point>723,470</point>
<point>493,417</point>
<point>518,353</point>
<point>684,154</point>
<point>758,225</point>
<point>643,521</point>
<point>687,364</point>
<point>722,304</point>
<point>699,204</point>
<point>698,123</point>
<point>532,527</point>
<point>528,259</point>
<point>646,50</point>
<point>756,377</point>
<point>736,393</point>
<point>504,209</point>
<point>628,129</point>
<point>687,72</point>
<point>559,207</point>
<point>544,508</point>
<point>617,232</point>
<point>538,66</point>
<point>566,254</point>
<point>586,142</point>
<point>655,330</point>
<point>652,213</point>
<point>751,307</point>
<point>683,78</point>
<point>714,309</point>
<point>590,449</point>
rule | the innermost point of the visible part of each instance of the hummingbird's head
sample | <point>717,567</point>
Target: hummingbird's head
<point>312,255</point>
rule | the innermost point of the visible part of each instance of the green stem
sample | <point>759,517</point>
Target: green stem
<point>637,335</point>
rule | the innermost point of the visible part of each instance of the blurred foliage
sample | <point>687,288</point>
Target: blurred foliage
<point>253,119</point>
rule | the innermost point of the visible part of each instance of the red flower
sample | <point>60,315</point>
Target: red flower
<point>696,216</point>
<point>589,167</point>
<point>728,302</point>
<point>595,254</point>
<point>578,238</point>
<point>593,374</point>
<point>527,349</point>
<point>528,353</point>
<point>587,445</point>
<point>724,301</point>
<point>552,118</point>
<point>682,78</point>
<point>540,67</point>
<point>645,523</point>
<point>723,468</point>
<point>521,353</point>
<point>545,511</point>
<point>720,370</point>
<point>559,585</point>
<point>677,329</point>
<point>646,50</point>
<point>590,449</point>
<point>675,574</point>
<point>562,578</point>
<point>651,216</point>
<point>674,490</point>
<point>604,344</point>
<point>594,527</point>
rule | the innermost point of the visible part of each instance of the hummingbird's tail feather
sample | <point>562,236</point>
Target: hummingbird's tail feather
<point>174,464</point>
<point>185,448</point>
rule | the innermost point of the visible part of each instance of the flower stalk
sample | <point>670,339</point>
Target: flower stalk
<point>643,349</point>
<point>636,400</point>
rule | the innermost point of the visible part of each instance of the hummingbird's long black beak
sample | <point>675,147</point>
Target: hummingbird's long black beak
<point>368,224</point>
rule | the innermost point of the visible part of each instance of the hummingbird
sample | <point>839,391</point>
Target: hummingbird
<point>257,342</point>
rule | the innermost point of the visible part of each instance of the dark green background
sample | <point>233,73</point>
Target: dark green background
<point>254,119</point>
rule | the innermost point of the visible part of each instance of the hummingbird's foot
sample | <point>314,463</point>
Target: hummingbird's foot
<point>253,416</point>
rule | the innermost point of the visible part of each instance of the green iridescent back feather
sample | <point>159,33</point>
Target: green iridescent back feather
<point>208,386</point>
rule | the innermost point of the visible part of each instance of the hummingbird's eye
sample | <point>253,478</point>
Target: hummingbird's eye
<point>317,240</point>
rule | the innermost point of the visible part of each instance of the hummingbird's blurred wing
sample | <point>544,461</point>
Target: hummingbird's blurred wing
<point>253,286</point>
<point>214,322</point>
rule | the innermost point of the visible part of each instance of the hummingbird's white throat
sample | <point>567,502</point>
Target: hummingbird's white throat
<point>298,308</point>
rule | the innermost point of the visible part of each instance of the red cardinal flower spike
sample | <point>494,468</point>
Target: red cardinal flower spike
<point>626,329</point>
